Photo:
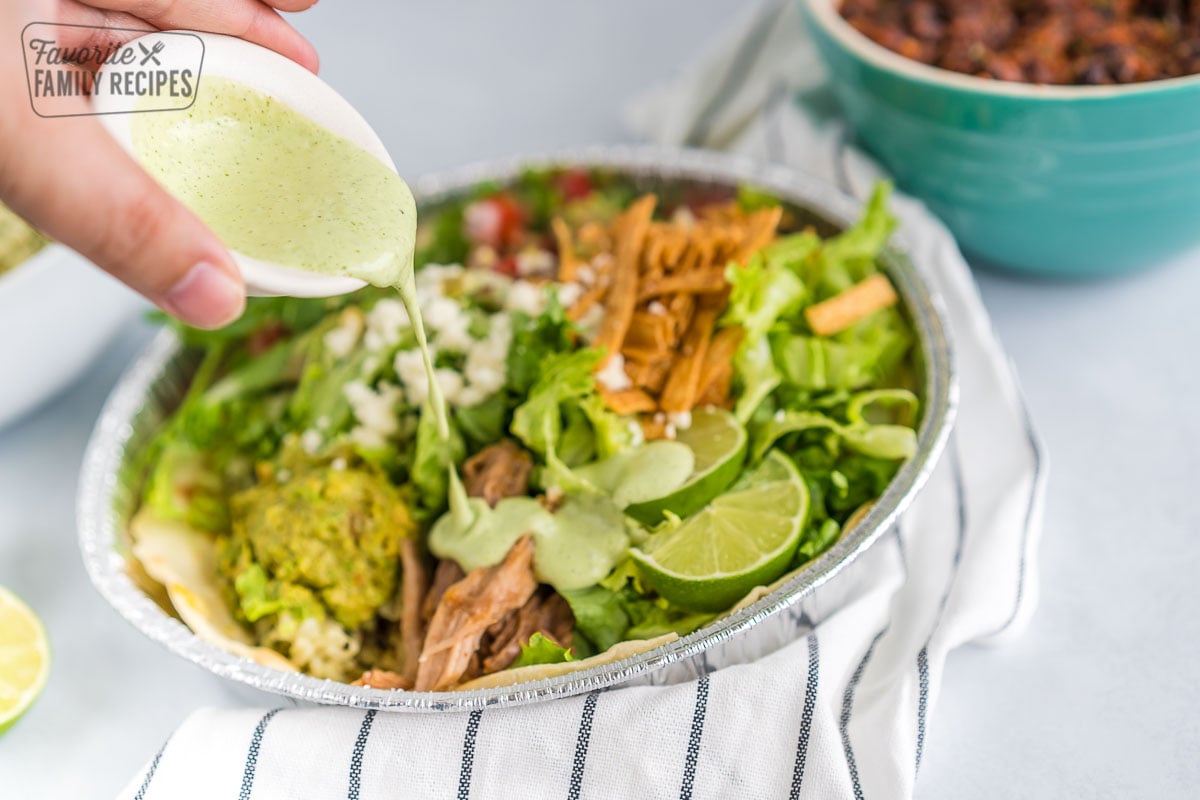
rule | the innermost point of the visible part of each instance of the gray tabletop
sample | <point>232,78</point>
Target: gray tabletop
<point>1097,699</point>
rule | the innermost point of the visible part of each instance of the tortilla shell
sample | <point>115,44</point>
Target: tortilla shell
<point>184,561</point>
<point>537,672</point>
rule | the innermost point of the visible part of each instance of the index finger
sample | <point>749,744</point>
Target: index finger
<point>251,20</point>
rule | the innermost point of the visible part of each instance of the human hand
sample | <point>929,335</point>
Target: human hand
<point>69,178</point>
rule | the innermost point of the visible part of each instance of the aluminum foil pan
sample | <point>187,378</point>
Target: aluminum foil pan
<point>153,385</point>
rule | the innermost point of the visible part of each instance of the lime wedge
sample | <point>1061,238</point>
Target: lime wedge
<point>24,658</point>
<point>744,538</point>
<point>718,442</point>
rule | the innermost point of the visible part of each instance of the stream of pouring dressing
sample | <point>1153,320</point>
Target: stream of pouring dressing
<point>276,186</point>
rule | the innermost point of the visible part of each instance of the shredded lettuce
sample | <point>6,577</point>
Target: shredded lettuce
<point>542,649</point>
<point>432,459</point>
<point>565,377</point>
<point>536,339</point>
<point>849,257</point>
<point>605,616</point>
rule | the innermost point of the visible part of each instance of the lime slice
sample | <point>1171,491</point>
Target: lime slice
<point>718,442</point>
<point>744,538</point>
<point>24,658</point>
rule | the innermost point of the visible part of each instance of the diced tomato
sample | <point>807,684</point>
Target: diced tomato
<point>496,221</point>
<point>506,266</point>
<point>575,184</point>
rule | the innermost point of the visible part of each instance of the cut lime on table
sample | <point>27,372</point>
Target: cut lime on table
<point>24,658</point>
<point>719,443</point>
<point>743,539</point>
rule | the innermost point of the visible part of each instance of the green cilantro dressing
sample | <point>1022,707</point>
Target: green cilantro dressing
<point>278,187</point>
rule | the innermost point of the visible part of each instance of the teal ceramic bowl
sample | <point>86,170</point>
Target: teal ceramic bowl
<point>1053,180</point>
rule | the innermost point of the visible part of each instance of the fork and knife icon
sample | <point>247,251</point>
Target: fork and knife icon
<point>151,54</point>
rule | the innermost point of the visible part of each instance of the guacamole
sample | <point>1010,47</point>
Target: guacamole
<point>324,543</point>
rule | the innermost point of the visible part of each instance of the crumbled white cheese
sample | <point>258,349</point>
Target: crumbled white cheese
<point>450,382</point>
<point>386,320</point>
<point>438,312</point>
<point>433,277</point>
<point>455,334</point>
<point>368,438</point>
<point>375,410</point>
<point>569,294</point>
<point>340,340</point>
<point>780,416</point>
<point>656,308</point>
<point>527,297</point>
<point>338,464</point>
<point>486,377</point>
<point>669,431</point>
<point>410,368</point>
<point>682,420</point>
<point>684,217</point>
<point>323,423</point>
<point>591,322</point>
<point>283,475</point>
<point>471,396</point>
<point>586,275</point>
<point>535,261</point>
<point>612,375</point>
<point>311,441</point>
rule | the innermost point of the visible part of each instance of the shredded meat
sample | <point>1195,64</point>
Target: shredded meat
<point>383,679</point>
<point>467,610</point>
<point>414,587</point>
<point>497,471</point>
<point>446,574</point>
<point>545,613</point>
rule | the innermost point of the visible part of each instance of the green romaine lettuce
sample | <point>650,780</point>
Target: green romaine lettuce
<point>542,650</point>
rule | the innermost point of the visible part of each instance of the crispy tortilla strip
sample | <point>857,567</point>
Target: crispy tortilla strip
<point>710,279</point>
<point>649,331</point>
<point>185,562</point>
<point>654,429</point>
<point>843,310</point>
<point>539,672</point>
<point>593,237</point>
<point>622,296</point>
<point>716,375</point>
<point>628,401</point>
<point>652,375</point>
<point>568,264</point>
<point>414,585</point>
<point>680,309</point>
<point>760,230</point>
<point>383,679</point>
<point>717,391</point>
<point>467,610</point>
<point>683,385</point>
<point>587,301</point>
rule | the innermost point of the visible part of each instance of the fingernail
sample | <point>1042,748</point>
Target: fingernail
<point>206,297</point>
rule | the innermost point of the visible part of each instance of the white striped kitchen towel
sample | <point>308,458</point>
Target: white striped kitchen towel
<point>828,700</point>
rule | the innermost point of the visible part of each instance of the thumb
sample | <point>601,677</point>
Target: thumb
<point>72,180</point>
